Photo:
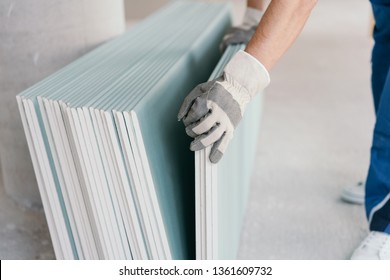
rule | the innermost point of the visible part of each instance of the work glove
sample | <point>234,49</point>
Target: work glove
<point>213,109</point>
<point>243,33</point>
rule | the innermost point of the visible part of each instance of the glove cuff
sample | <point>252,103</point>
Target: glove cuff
<point>252,18</point>
<point>247,72</point>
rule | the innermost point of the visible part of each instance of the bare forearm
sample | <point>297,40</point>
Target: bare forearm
<point>280,26</point>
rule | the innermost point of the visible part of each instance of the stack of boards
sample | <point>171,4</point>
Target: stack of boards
<point>222,189</point>
<point>112,162</point>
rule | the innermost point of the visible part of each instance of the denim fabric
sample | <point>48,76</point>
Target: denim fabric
<point>378,179</point>
<point>381,2</point>
<point>381,51</point>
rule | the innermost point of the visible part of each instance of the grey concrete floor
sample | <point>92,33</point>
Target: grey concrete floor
<point>23,232</point>
<point>315,139</point>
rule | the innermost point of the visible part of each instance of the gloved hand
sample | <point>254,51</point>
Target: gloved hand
<point>244,32</point>
<point>213,109</point>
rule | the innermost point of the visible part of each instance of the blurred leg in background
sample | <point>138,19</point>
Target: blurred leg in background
<point>380,65</point>
<point>377,200</point>
<point>378,180</point>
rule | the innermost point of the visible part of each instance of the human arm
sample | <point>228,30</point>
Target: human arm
<point>280,25</point>
<point>212,111</point>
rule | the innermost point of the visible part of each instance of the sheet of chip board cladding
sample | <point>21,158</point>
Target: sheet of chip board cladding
<point>170,162</point>
<point>93,160</point>
<point>151,221</point>
<point>222,189</point>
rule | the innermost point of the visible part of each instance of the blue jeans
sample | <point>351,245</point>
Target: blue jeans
<point>378,180</point>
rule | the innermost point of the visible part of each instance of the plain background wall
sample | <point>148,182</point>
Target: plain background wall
<point>138,9</point>
<point>36,39</point>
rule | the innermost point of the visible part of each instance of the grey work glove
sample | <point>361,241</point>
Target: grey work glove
<point>243,33</point>
<point>213,109</point>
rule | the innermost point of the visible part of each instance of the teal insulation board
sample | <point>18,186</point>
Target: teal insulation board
<point>222,189</point>
<point>112,162</point>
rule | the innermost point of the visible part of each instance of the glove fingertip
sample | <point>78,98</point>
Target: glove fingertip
<point>183,111</point>
<point>215,156</point>
<point>196,145</point>
<point>180,117</point>
<point>190,132</point>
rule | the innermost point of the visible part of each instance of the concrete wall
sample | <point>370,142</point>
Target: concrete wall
<point>36,39</point>
<point>138,9</point>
